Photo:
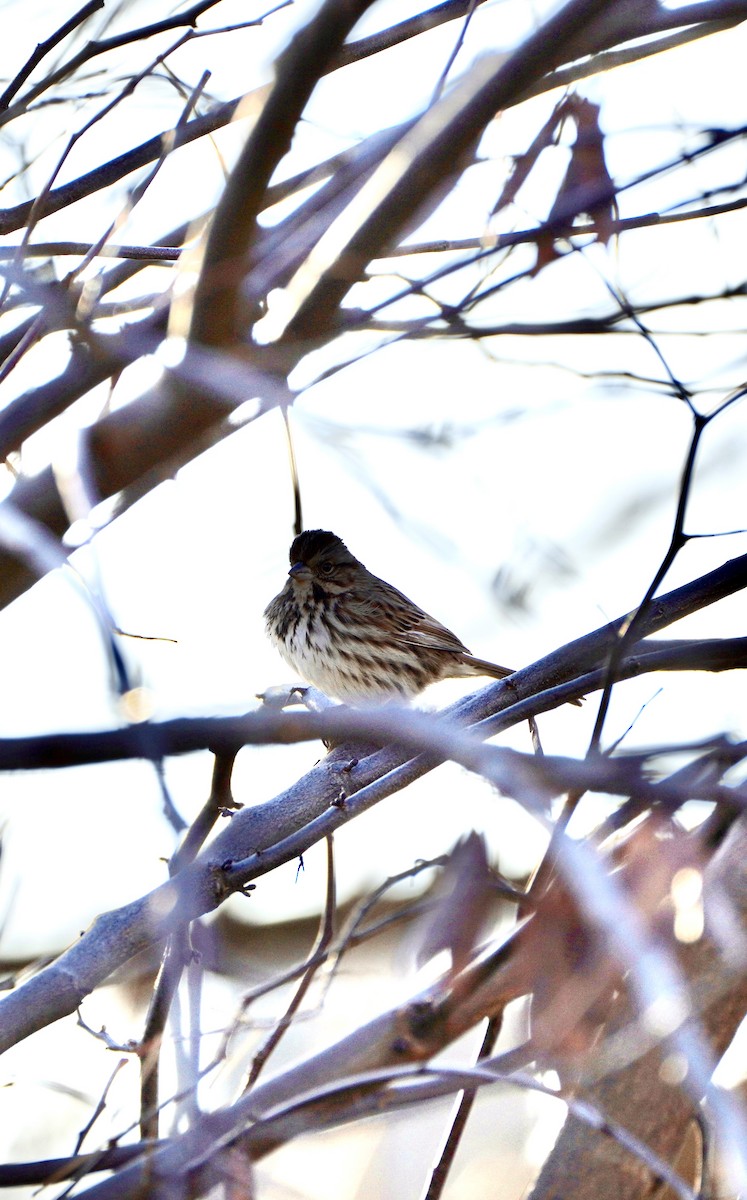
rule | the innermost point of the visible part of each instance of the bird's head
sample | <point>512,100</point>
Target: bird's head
<point>320,558</point>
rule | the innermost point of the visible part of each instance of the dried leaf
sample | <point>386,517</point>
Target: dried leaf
<point>464,895</point>
<point>568,959</point>
<point>587,187</point>
<point>573,975</point>
<point>523,163</point>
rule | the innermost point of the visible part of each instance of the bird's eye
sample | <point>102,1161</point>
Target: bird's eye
<point>326,567</point>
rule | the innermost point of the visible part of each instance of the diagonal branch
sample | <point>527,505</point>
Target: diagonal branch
<point>260,838</point>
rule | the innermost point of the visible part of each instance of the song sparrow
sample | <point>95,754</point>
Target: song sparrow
<point>356,637</point>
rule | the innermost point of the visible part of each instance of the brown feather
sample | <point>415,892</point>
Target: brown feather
<point>354,635</point>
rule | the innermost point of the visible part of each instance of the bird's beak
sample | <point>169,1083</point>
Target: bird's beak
<point>300,572</point>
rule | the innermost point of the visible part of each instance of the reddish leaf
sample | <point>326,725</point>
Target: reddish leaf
<point>587,188</point>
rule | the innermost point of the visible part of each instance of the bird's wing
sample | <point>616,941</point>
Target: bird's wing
<point>414,626</point>
<point>432,635</point>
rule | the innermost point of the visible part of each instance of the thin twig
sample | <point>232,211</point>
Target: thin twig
<point>43,48</point>
<point>177,952</point>
<point>464,1106</point>
<point>100,1107</point>
<point>323,940</point>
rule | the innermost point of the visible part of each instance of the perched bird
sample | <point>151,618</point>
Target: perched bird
<point>356,637</point>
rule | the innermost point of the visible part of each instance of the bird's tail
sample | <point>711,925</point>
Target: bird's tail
<point>478,666</point>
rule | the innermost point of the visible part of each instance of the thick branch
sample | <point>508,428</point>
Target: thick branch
<point>260,838</point>
<point>185,735</point>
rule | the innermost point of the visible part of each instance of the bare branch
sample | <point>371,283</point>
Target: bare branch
<point>263,837</point>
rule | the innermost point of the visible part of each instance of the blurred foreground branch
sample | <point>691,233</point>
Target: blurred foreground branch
<point>260,838</point>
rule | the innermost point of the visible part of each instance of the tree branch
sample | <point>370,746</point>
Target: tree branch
<point>262,837</point>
